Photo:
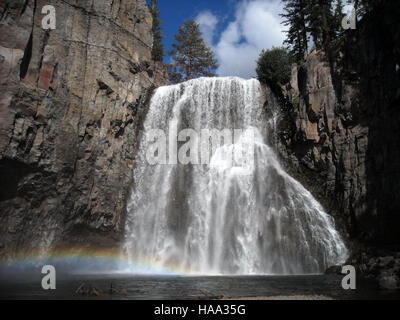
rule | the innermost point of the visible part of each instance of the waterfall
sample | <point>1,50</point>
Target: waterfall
<point>218,217</point>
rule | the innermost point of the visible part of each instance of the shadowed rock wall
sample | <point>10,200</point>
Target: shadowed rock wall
<point>340,130</point>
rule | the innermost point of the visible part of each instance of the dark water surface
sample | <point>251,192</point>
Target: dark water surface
<point>177,287</point>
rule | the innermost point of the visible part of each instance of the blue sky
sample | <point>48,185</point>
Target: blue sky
<point>236,30</point>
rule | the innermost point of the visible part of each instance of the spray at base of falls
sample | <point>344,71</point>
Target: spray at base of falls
<point>212,218</point>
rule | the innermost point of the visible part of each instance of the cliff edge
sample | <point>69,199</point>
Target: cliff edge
<point>72,101</point>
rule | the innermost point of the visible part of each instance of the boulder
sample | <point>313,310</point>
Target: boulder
<point>334,270</point>
<point>389,282</point>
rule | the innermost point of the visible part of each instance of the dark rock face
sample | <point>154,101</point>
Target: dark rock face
<point>71,104</point>
<point>340,132</point>
<point>384,268</point>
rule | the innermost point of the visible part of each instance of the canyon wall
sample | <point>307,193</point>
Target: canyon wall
<point>340,127</point>
<point>71,105</point>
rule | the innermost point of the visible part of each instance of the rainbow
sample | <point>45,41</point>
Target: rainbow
<point>83,260</point>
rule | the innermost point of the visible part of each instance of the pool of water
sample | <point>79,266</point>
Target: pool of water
<point>180,288</point>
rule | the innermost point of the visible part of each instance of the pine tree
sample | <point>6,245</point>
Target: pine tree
<point>314,23</point>
<point>295,19</point>
<point>174,75</point>
<point>364,6</point>
<point>337,19</point>
<point>158,47</point>
<point>320,21</point>
<point>191,56</point>
<point>328,33</point>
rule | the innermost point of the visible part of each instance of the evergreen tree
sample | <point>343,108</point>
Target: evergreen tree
<point>174,75</point>
<point>295,19</point>
<point>158,47</point>
<point>320,21</point>
<point>328,22</point>
<point>192,57</point>
<point>364,6</point>
<point>274,67</point>
<point>338,17</point>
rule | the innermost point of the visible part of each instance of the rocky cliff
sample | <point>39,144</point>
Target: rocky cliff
<point>340,126</point>
<point>71,104</point>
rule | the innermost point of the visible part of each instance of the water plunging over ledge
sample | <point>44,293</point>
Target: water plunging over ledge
<point>211,219</point>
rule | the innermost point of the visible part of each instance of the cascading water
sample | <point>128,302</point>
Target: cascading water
<point>218,217</point>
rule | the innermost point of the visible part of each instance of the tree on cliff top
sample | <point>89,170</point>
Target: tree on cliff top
<point>319,18</point>
<point>321,22</point>
<point>192,57</point>
<point>274,67</point>
<point>295,13</point>
<point>158,47</point>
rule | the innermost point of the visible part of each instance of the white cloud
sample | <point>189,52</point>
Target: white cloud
<point>208,23</point>
<point>257,26</point>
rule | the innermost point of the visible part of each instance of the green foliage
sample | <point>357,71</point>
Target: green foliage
<point>295,19</point>
<point>158,47</point>
<point>365,6</point>
<point>274,66</point>
<point>192,57</point>
<point>319,19</point>
<point>174,75</point>
<point>337,19</point>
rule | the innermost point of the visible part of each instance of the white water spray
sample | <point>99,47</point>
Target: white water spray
<point>213,219</point>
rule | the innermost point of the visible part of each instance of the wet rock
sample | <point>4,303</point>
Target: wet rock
<point>88,290</point>
<point>386,262</point>
<point>389,282</point>
<point>373,269</point>
<point>116,291</point>
<point>334,270</point>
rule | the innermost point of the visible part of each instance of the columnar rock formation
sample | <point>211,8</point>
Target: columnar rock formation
<point>340,131</point>
<point>71,103</point>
